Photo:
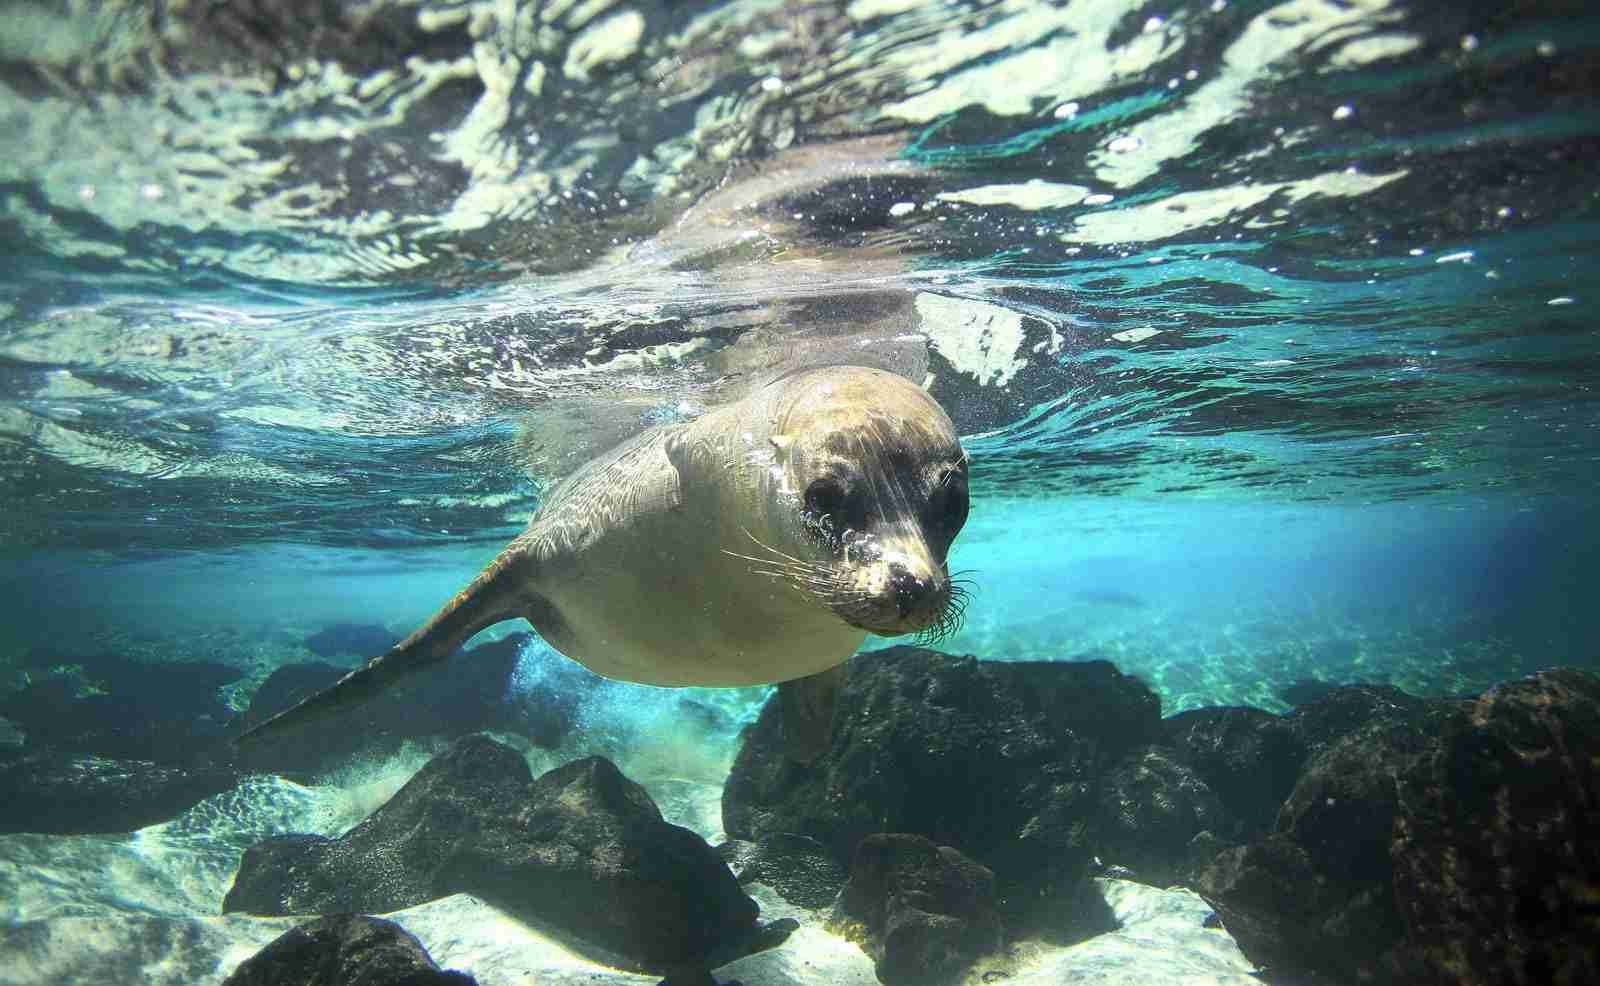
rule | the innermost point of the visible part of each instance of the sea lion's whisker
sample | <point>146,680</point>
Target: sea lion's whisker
<point>797,568</point>
<point>768,547</point>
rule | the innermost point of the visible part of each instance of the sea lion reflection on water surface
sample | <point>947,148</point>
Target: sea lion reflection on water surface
<point>757,544</point>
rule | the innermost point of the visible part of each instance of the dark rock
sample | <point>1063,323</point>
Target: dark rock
<point>1344,710</point>
<point>287,685</point>
<point>1152,808</point>
<point>1248,757</point>
<point>476,690</point>
<point>345,950</point>
<point>124,709</point>
<point>1305,691</point>
<point>923,913</point>
<point>582,852</point>
<point>1430,841</point>
<point>1342,810</point>
<point>1315,898</point>
<point>63,794</point>
<point>1269,899</point>
<point>364,640</point>
<point>740,855</point>
<point>1341,814</point>
<point>797,867</point>
<point>1496,854</point>
<point>997,759</point>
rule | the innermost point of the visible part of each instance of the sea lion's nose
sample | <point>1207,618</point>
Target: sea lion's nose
<point>911,591</point>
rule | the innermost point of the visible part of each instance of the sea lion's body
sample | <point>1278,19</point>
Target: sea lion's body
<point>757,544</point>
<point>631,560</point>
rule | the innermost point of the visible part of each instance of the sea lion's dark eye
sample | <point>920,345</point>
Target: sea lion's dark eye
<point>825,497</point>
<point>947,507</point>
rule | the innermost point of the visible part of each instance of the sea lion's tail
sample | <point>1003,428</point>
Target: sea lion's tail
<point>489,599</point>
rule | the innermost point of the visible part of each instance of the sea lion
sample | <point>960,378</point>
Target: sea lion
<point>759,543</point>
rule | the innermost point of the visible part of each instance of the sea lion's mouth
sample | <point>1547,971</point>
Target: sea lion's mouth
<point>890,600</point>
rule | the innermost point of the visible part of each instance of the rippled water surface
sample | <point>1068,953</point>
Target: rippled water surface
<point>1269,326</point>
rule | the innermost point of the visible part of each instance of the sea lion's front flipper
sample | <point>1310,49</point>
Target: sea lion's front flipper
<point>808,705</point>
<point>491,598</point>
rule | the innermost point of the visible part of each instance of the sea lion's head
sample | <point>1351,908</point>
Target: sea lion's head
<point>872,481</point>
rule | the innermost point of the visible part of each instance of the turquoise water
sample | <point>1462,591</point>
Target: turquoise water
<point>1269,328</point>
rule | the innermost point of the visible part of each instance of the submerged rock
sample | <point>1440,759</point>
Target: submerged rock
<point>1248,757</point>
<point>116,707</point>
<point>362,640</point>
<point>1430,841</point>
<point>1496,855</point>
<point>923,913</point>
<point>1314,898</point>
<point>62,794</point>
<point>1162,938</point>
<point>1151,810</point>
<point>1269,898</point>
<point>345,950</point>
<point>796,867</point>
<point>582,851</point>
<point>1341,711</point>
<point>999,760</point>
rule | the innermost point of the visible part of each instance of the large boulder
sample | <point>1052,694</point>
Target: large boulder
<point>1342,710</point>
<point>796,867</point>
<point>582,852</point>
<point>1263,894</point>
<point>923,913</point>
<point>1314,898</point>
<point>1152,809</point>
<point>65,794</point>
<point>1430,841</point>
<point>1496,848</point>
<point>120,708</point>
<point>1249,758</point>
<point>345,950</point>
<point>363,640</point>
<point>999,760</point>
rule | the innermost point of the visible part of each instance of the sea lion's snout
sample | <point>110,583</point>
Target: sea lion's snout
<point>918,598</point>
<point>896,594</point>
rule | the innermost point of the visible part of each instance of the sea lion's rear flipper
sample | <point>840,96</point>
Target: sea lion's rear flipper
<point>808,705</point>
<point>491,598</point>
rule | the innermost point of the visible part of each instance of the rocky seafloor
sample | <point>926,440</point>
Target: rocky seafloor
<point>971,821</point>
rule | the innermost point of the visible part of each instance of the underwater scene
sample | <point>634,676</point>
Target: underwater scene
<point>539,492</point>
